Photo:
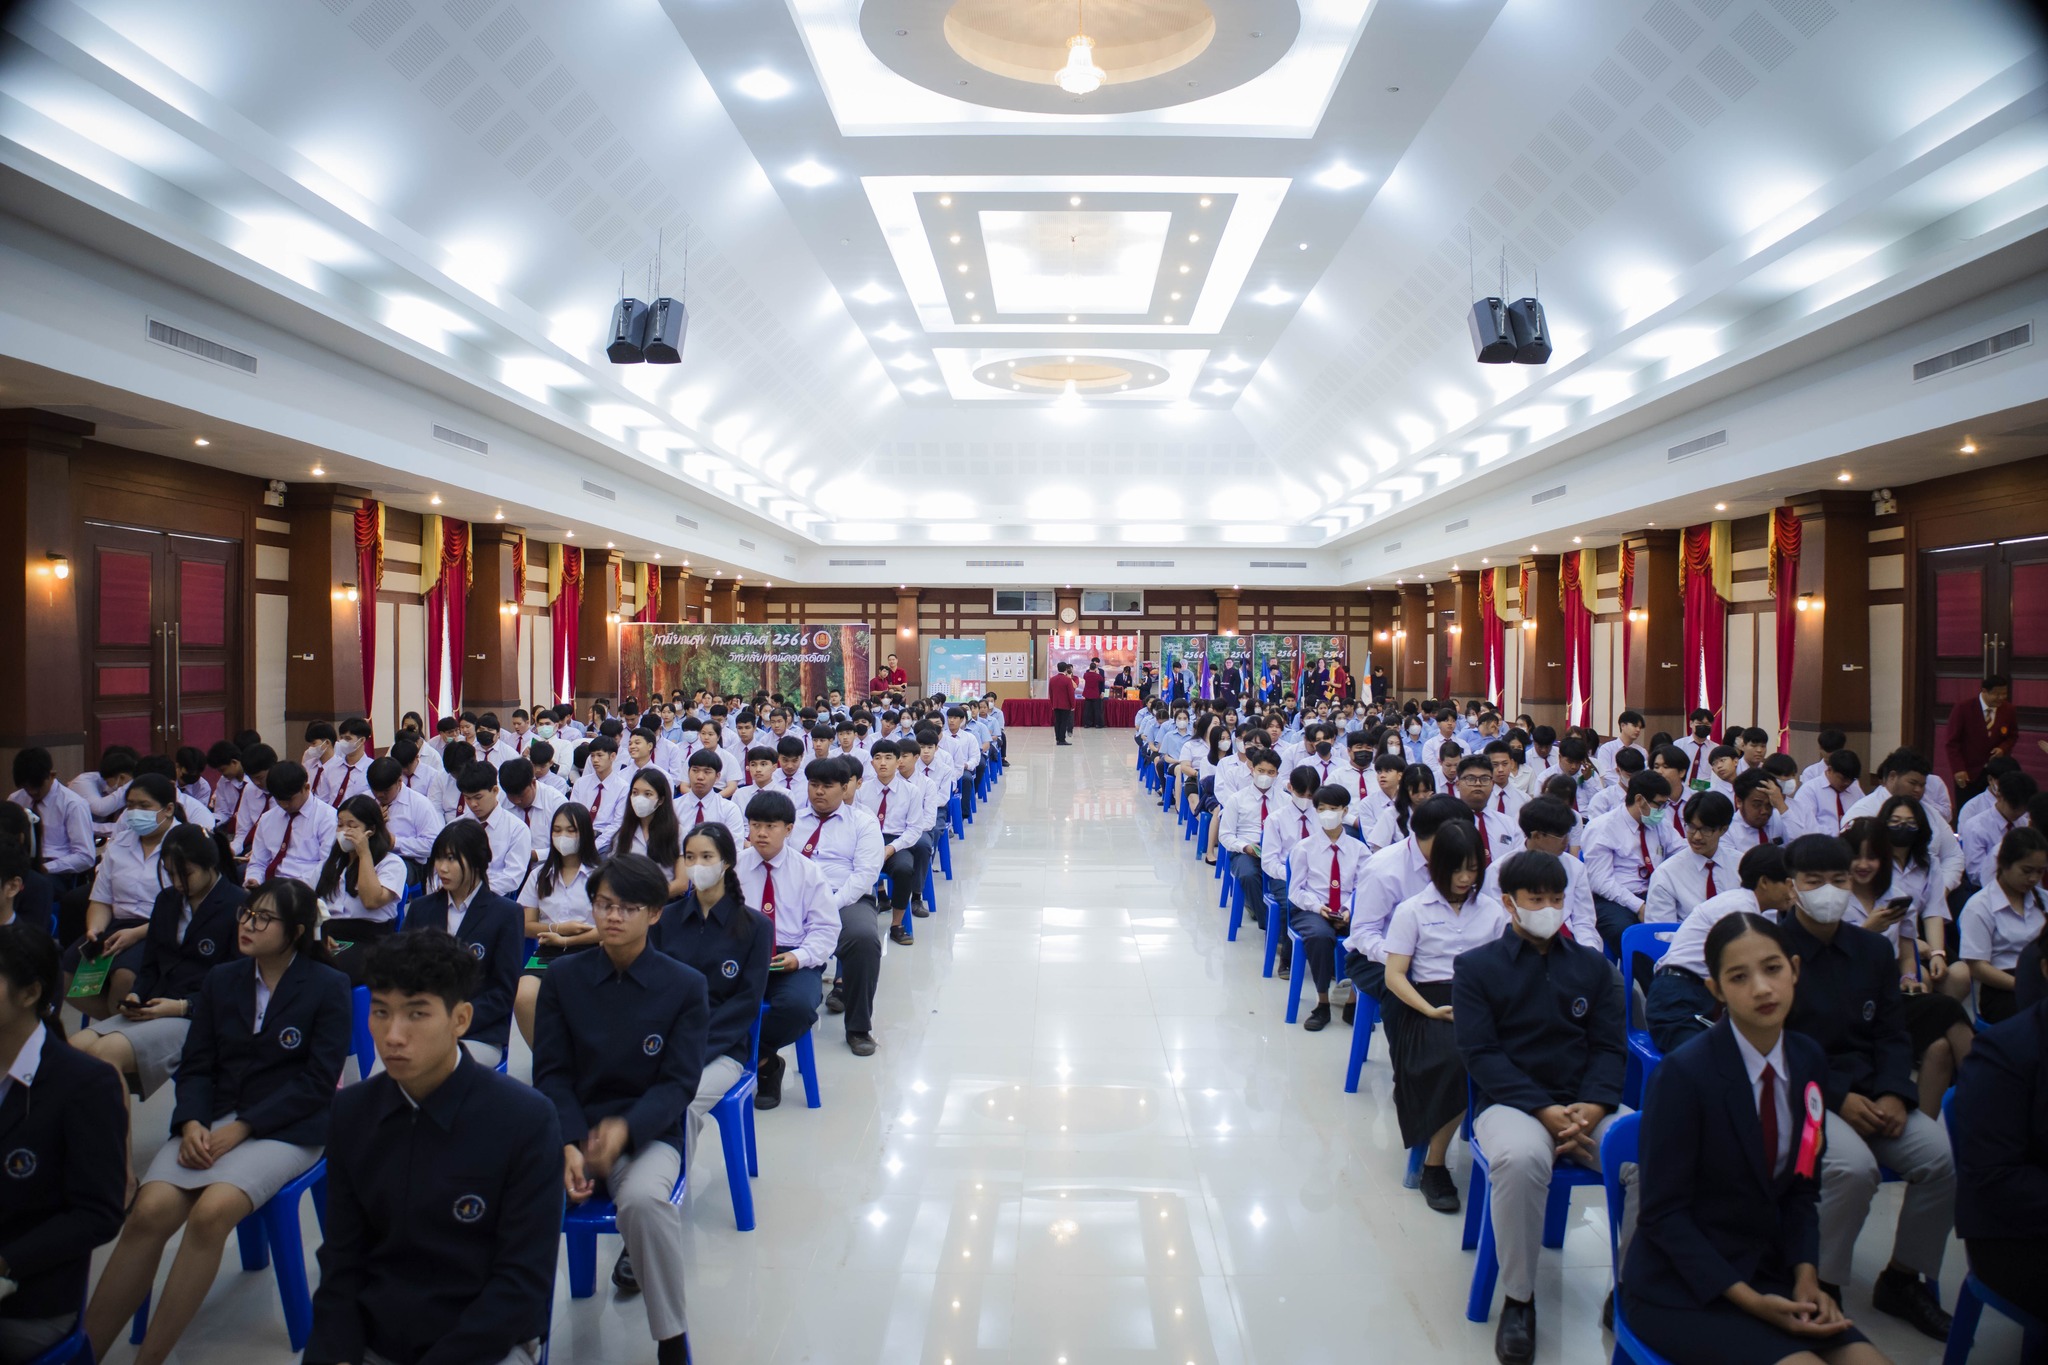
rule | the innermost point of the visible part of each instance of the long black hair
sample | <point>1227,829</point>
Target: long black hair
<point>28,957</point>
<point>721,839</point>
<point>342,868</point>
<point>1415,775</point>
<point>293,902</point>
<point>586,848</point>
<point>664,834</point>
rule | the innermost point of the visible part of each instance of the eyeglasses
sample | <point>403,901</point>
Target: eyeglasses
<point>608,906</point>
<point>257,919</point>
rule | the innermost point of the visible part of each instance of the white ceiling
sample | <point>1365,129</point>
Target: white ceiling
<point>445,194</point>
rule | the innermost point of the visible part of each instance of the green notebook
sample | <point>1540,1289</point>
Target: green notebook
<point>91,977</point>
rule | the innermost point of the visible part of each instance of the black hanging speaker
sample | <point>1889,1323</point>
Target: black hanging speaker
<point>629,333</point>
<point>667,321</point>
<point>1493,337</point>
<point>1531,330</point>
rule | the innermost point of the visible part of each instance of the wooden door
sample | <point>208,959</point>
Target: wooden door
<point>163,642</point>
<point>1987,606</point>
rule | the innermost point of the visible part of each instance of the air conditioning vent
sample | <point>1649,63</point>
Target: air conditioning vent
<point>789,559</point>
<point>1547,494</point>
<point>178,339</point>
<point>598,490</point>
<point>748,545</point>
<point>453,437</point>
<point>1279,563</point>
<point>2012,339</point>
<point>1144,563</point>
<point>855,563</point>
<point>995,563</point>
<point>1458,525</point>
<point>1344,563</point>
<point>1685,449</point>
<point>684,521</point>
<point>1389,549</point>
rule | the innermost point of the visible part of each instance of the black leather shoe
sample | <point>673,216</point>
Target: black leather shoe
<point>674,1351</point>
<point>768,1091</point>
<point>1514,1341</point>
<point>861,1044</point>
<point>1607,1312</point>
<point>918,910</point>
<point>1439,1191</point>
<point>1286,965</point>
<point>1350,1011</point>
<point>898,934</point>
<point>1902,1294</point>
<point>1318,1019</point>
<point>835,1003</point>
<point>623,1278</point>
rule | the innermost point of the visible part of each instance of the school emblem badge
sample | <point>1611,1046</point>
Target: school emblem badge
<point>729,969</point>
<point>206,947</point>
<point>1579,1008</point>
<point>21,1163</point>
<point>1869,1010</point>
<point>290,1039</point>
<point>651,1044</point>
<point>469,1208</point>
<point>476,950</point>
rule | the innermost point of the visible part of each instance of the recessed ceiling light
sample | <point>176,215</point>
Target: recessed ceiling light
<point>320,473</point>
<point>1575,540</point>
<point>762,84</point>
<point>1016,386</point>
<point>1720,507</point>
<point>1969,446</point>
<point>1151,376</point>
<point>1184,269</point>
<point>1169,317</point>
<point>945,201</point>
<point>1072,318</point>
<point>871,292</point>
<point>500,516</point>
<point>1176,296</point>
<point>974,317</point>
<point>202,441</point>
<point>1532,549</point>
<point>434,501</point>
<point>954,239</point>
<point>1012,364</point>
<point>810,174</point>
<point>1301,246</point>
<point>1074,201</point>
<point>970,295</point>
<point>1341,177</point>
<point>1194,236</point>
<point>1273,295</point>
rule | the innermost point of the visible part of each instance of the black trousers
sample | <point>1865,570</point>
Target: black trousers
<point>1062,724</point>
<point>860,964</point>
<point>905,871</point>
<point>1092,712</point>
<point>1613,917</point>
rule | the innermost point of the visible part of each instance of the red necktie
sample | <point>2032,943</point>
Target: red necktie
<point>1767,1116</point>
<point>700,810</point>
<point>284,845</point>
<point>241,790</point>
<point>1643,839</point>
<point>1336,884</point>
<point>811,844</point>
<point>347,775</point>
<point>1838,812</point>
<point>1698,748</point>
<point>1262,810</point>
<point>1503,806</point>
<point>1485,839</point>
<point>882,810</point>
<point>768,894</point>
<point>1304,824</point>
<point>1361,785</point>
<point>598,809</point>
<point>1710,881</point>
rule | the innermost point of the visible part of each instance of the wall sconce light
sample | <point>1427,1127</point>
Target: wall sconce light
<point>611,618</point>
<point>60,567</point>
<point>1529,623</point>
<point>1454,630</point>
<point>509,607</point>
<point>1637,615</point>
<point>1809,602</point>
<point>347,593</point>
<point>1380,636</point>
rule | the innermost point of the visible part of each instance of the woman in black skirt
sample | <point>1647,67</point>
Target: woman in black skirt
<point>1722,1267</point>
<point>555,898</point>
<point>360,885</point>
<point>1424,938</point>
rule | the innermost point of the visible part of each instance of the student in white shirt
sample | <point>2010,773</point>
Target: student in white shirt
<point>1507,797</point>
<point>2007,914</point>
<point>361,886</point>
<point>1324,874</point>
<point>846,844</point>
<point>792,891</point>
<point>533,803</point>
<point>1629,731</point>
<point>1242,826</point>
<point>2011,794</point>
<point>229,785</point>
<point>491,747</point>
<point>1424,938</point>
<point>541,753</point>
<point>603,789</point>
<point>710,738</point>
<point>651,828</point>
<point>1499,835</point>
<point>346,774</point>
<point>105,789</point>
<point>900,808</point>
<point>1622,849</point>
<point>293,837</point>
<point>446,791</point>
<point>63,831</point>
<point>1679,1004</point>
<point>1698,746</point>
<point>1823,807</point>
<point>1290,822</point>
<point>410,820</point>
<point>699,802</point>
<point>257,761</point>
<point>511,841</point>
<point>321,741</point>
<point>1758,813</point>
<point>1547,827</point>
<point>1418,782</point>
<point>1700,871</point>
<point>556,903</point>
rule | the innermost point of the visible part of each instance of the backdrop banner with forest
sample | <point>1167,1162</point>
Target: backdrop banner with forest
<point>800,662</point>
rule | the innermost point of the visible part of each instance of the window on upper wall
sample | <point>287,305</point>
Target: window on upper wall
<point>1024,602</point>
<point>1112,602</point>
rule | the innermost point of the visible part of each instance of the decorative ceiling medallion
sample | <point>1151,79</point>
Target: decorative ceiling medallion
<point>1070,373</point>
<point>1020,54</point>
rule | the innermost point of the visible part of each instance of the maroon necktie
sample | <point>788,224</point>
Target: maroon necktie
<point>1304,824</point>
<point>1336,884</point>
<point>768,895</point>
<point>700,810</point>
<point>1710,881</point>
<point>1698,748</point>
<point>284,845</point>
<point>1485,839</point>
<point>811,844</point>
<point>882,810</point>
<point>1503,806</point>
<point>1767,1116</point>
<point>598,809</point>
<point>1643,839</point>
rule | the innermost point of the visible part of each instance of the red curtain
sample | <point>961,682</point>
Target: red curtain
<point>1628,630</point>
<point>1706,623</point>
<point>650,610</point>
<point>1786,533</point>
<point>1493,639</point>
<point>563,614</point>
<point>1578,640</point>
<point>369,578</point>
<point>447,621</point>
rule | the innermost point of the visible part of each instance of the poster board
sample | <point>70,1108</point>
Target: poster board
<point>1281,654</point>
<point>1012,650</point>
<point>1225,651</point>
<point>1324,651</point>
<point>957,666</point>
<point>801,662</point>
<point>1191,650</point>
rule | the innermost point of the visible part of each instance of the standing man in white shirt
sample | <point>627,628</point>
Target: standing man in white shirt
<point>791,890</point>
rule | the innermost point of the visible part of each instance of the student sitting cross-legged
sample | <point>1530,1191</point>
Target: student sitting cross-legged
<point>256,1082</point>
<point>444,1191</point>
<point>1539,1027</point>
<point>1722,1267</point>
<point>619,1047</point>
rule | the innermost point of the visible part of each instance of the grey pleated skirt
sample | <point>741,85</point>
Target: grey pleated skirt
<point>258,1168</point>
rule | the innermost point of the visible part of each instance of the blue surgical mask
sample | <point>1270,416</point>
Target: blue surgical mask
<point>1654,816</point>
<point>142,823</point>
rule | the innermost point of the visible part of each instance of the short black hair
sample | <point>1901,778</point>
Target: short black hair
<point>1533,872</point>
<point>285,780</point>
<point>773,807</point>
<point>1547,815</point>
<point>634,878</point>
<point>1710,810</point>
<point>33,767</point>
<point>1817,853</point>
<point>1330,794</point>
<point>1438,811</point>
<point>1764,863</point>
<point>1648,784</point>
<point>1737,925</point>
<point>1845,762</point>
<point>515,775</point>
<point>423,962</point>
<point>477,777</point>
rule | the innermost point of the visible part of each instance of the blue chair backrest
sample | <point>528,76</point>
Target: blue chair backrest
<point>1643,940</point>
<point>1622,1146</point>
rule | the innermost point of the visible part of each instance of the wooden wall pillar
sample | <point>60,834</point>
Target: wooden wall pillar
<point>323,676</point>
<point>905,644</point>
<point>1656,676</point>
<point>1379,608</point>
<point>597,631</point>
<point>753,603</point>
<point>1467,642</point>
<point>696,596</point>
<point>490,646</point>
<point>1831,683</point>
<point>42,692</point>
<point>1543,672</point>
<point>721,599</point>
<point>672,592</point>
<point>1411,649</point>
<point>1226,611</point>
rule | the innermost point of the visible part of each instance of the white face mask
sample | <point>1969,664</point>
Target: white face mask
<point>1223,747</point>
<point>1787,786</point>
<point>1825,904</point>
<point>704,876</point>
<point>1300,802</point>
<point>544,731</point>
<point>343,841</point>
<point>1329,819</point>
<point>1263,781</point>
<point>568,845</point>
<point>1541,924</point>
<point>643,804</point>
<point>350,747</point>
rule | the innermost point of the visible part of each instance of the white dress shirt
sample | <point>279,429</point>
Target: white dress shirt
<point>1392,875</point>
<point>1308,888</point>
<point>345,904</point>
<point>1689,944</point>
<point>806,915</point>
<point>1245,815</point>
<point>846,845</point>
<point>1579,916</point>
<point>1743,836</point>
<point>905,805</point>
<point>128,876</point>
<point>339,779</point>
<point>1817,808</point>
<point>1990,930</point>
<point>412,821</point>
<point>1613,847</point>
<point>711,808</point>
<point>64,836</point>
<point>566,903</point>
<point>305,842</point>
<point>1680,883</point>
<point>539,817</point>
<point>227,799</point>
<point>1942,845</point>
<point>1431,933</point>
<point>256,804</point>
<point>1604,756</point>
<point>606,801</point>
<point>1982,833</point>
<point>1287,825</point>
<point>511,847</point>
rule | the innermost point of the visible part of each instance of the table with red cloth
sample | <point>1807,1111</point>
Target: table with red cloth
<point>1025,712</point>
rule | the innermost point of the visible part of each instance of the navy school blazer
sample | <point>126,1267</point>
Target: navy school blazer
<point>1711,1214</point>
<point>172,970</point>
<point>280,1081</point>
<point>62,1177</point>
<point>494,930</point>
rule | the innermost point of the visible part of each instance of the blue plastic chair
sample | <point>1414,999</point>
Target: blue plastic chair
<point>735,1115</point>
<point>1649,941</point>
<point>1363,1021</point>
<point>806,1062</point>
<point>581,1225</point>
<point>1565,1176</point>
<point>943,849</point>
<point>360,1042</point>
<point>271,1237</point>
<point>1276,923</point>
<point>1621,1147</point>
<point>953,813</point>
<point>1974,1297</point>
<point>75,1349</point>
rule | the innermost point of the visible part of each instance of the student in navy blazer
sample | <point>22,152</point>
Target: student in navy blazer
<point>1722,1267</point>
<point>63,1150</point>
<point>191,931</point>
<point>2001,1128</point>
<point>493,928</point>
<point>256,1081</point>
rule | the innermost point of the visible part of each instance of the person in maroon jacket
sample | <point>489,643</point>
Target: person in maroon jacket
<point>1092,682</point>
<point>1061,690</point>
<point>1980,728</point>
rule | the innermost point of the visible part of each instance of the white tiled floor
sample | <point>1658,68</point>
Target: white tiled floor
<point>1089,1137</point>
